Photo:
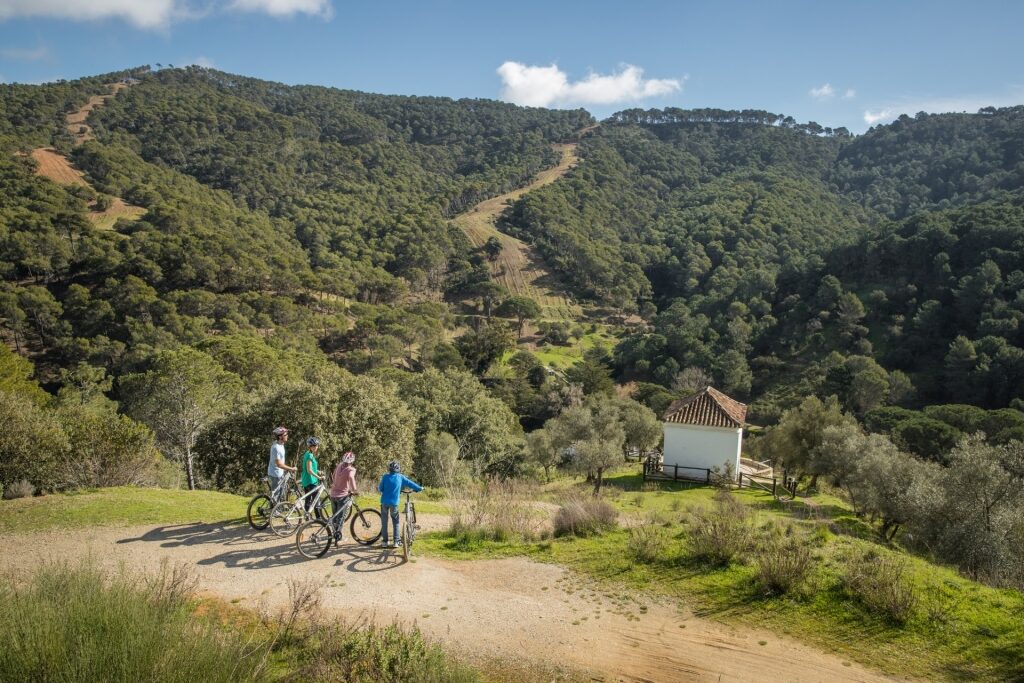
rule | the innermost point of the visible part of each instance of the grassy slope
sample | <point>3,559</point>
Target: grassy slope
<point>962,631</point>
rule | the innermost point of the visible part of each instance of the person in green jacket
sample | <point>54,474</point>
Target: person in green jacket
<point>310,478</point>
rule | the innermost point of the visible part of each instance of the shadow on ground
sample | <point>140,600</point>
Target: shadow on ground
<point>248,549</point>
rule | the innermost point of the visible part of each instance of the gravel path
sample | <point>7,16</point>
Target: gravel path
<point>512,608</point>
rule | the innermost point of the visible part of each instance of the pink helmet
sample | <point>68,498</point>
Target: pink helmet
<point>348,458</point>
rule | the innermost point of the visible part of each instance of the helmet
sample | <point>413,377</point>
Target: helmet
<point>394,466</point>
<point>280,431</point>
<point>348,458</point>
<point>312,441</point>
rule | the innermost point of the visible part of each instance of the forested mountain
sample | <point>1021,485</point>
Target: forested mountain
<point>263,204</point>
<point>763,252</point>
<point>296,223</point>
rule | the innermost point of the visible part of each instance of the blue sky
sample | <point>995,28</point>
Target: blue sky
<point>840,64</point>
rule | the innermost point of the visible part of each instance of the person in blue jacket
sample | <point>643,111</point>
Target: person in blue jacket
<point>390,488</point>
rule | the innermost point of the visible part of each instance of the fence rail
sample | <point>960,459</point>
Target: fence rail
<point>660,471</point>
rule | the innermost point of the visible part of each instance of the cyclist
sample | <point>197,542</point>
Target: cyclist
<point>311,473</point>
<point>343,487</point>
<point>276,468</point>
<point>390,488</point>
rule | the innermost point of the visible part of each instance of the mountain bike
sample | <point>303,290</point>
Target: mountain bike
<point>314,538</point>
<point>409,526</point>
<point>286,516</point>
<point>258,512</point>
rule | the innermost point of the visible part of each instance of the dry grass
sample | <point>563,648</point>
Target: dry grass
<point>648,542</point>
<point>497,510</point>
<point>19,489</point>
<point>721,534</point>
<point>882,583</point>
<point>784,560</point>
<point>584,516</point>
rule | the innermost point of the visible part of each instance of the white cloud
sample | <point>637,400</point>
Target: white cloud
<point>823,93</point>
<point>202,61</point>
<point>156,14</point>
<point>26,54</point>
<point>545,86</point>
<point>971,103</point>
<point>286,8</point>
<point>142,13</point>
<point>849,94</point>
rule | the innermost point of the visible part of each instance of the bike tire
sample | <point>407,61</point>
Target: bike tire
<point>286,517</point>
<point>258,512</point>
<point>366,527</point>
<point>406,540</point>
<point>313,538</point>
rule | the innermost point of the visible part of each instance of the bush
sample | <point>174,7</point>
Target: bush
<point>19,489</point>
<point>367,654</point>
<point>719,535</point>
<point>76,624</point>
<point>881,582</point>
<point>32,441</point>
<point>496,510</point>
<point>784,561</point>
<point>648,541</point>
<point>584,516</point>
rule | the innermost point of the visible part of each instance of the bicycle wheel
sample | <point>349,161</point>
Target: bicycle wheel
<point>406,539</point>
<point>286,517</point>
<point>366,526</point>
<point>313,538</point>
<point>258,513</point>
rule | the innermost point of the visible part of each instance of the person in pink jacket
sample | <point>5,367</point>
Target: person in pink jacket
<point>343,487</point>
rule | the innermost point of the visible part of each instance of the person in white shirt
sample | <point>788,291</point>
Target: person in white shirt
<point>277,467</point>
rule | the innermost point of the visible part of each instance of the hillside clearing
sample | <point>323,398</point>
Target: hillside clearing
<point>519,268</point>
<point>57,167</point>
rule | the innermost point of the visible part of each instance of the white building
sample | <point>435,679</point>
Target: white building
<point>703,431</point>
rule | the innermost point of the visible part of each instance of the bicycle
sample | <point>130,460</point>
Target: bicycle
<point>314,538</point>
<point>286,516</point>
<point>260,506</point>
<point>409,526</point>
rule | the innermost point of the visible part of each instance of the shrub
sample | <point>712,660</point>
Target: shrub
<point>584,516</point>
<point>32,442</point>
<point>784,560</point>
<point>648,541</point>
<point>882,583</point>
<point>723,477</point>
<point>497,510</point>
<point>77,624</point>
<point>366,653</point>
<point>19,489</point>
<point>719,535</point>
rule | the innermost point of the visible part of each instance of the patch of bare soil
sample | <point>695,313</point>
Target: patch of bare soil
<point>58,168</point>
<point>504,609</point>
<point>75,121</point>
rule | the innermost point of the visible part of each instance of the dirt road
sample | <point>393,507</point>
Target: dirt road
<point>495,608</point>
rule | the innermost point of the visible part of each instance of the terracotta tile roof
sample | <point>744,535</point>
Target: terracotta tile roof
<point>710,408</point>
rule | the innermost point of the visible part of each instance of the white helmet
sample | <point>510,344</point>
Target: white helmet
<point>348,458</point>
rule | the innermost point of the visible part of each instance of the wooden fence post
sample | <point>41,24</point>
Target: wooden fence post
<point>774,482</point>
<point>707,478</point>
<point>675,474</point>
<point>741,480</point>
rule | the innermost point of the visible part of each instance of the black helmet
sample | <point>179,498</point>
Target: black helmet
<point>394,466</point>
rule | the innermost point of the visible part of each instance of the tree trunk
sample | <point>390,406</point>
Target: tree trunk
<point>597,481</point>
<point>547,473</point>
<point>189,470</point>
<point>814,483</point>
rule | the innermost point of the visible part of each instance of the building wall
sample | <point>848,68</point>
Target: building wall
<point>703,447</point>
